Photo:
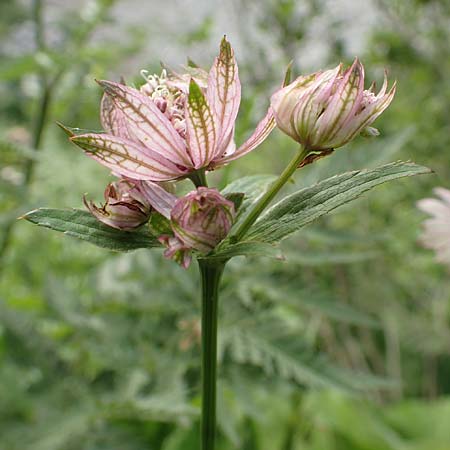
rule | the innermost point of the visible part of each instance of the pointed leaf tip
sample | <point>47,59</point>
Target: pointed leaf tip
<point>67,130</point>
<point>194,88</point>
<point>288,73</point>
<point>191,63</point>
<point>237,198</point>
<point>226,51</point>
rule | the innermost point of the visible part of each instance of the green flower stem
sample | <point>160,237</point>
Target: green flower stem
<point>211,274</point>
<point>301,154</point>
<point>199,178</point>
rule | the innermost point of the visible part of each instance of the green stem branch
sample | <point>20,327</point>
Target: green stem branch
<point>211,274</point>
<point>199,178</point>
<point>270,194</point>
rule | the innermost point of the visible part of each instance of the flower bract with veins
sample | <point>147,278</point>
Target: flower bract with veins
<point>173,126</point>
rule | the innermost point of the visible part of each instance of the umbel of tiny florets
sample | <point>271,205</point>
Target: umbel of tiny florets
<point>169,97</point>
<point>325,110</point>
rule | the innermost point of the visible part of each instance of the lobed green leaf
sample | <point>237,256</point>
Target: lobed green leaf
<point>83,225</point>
<point>308,204</point>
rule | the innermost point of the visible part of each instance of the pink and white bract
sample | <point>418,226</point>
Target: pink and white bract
<point>173,126</point>
<point>199,221</point>
<point>325,110</point>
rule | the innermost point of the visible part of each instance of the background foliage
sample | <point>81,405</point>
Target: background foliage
<point>343,347</point>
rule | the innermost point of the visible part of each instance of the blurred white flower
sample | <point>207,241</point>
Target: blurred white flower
<point>436,230</point>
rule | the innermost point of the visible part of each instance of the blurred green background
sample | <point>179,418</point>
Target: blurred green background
<point>344,346</point>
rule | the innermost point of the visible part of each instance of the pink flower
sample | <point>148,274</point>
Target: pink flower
<point>198,221</point>
<point>436,233</point>
<point>202,218</point>
<point>129,203</point>
<point>173,126</point>
<point>325,110</point>
<point>125,207</point>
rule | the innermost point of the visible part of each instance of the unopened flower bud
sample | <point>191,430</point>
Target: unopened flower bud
<point>202,218</point>
<point>125,207</point>
<point>325,110</point>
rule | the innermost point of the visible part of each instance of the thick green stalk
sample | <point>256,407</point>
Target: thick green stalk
<point>199,178</point>
<point>211,274</point>
<point>270,194</point>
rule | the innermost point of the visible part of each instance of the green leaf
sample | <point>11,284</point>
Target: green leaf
<point>340,312</point>
<point>299,209</point>
<point>248,345</point>
<point>320,258</point>
<point>159,224</point>
<point>83,225</point>
<point>253,187</point>
<point>227,251</point>
<point>237,198</point>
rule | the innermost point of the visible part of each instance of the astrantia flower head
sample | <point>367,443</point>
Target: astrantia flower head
<point>436,233</point>
<point>325,110</point>
<point>174,125</point>
<point>202,218</point>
